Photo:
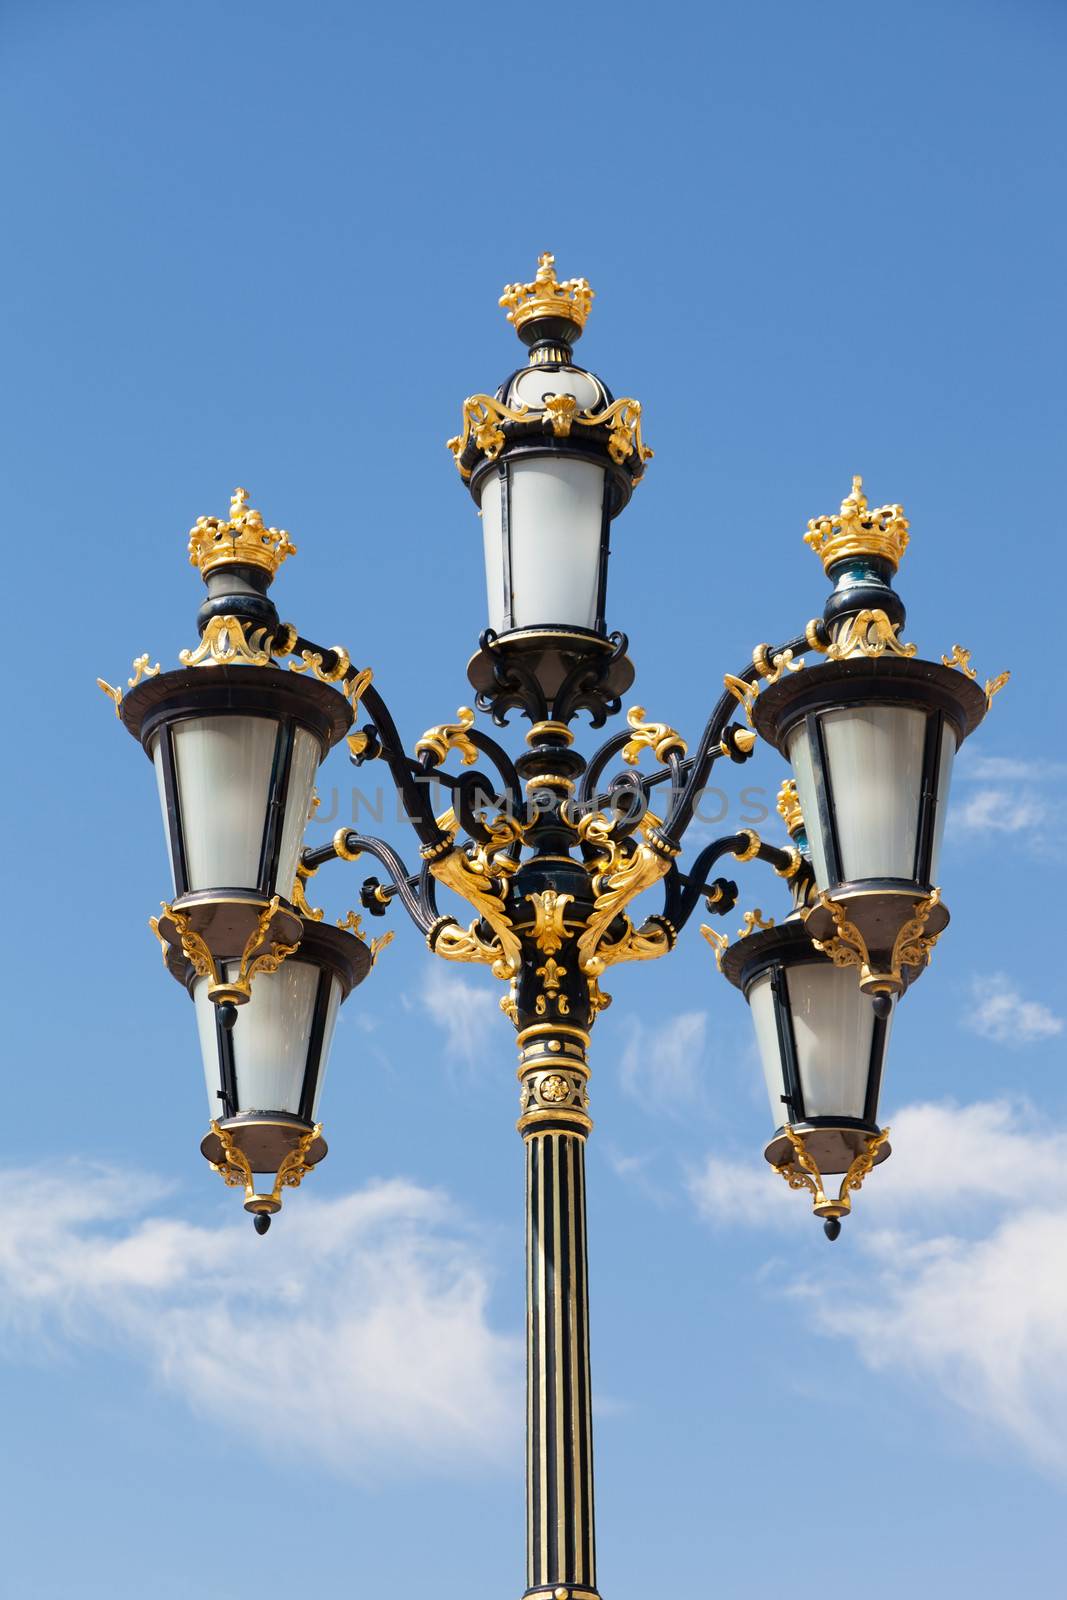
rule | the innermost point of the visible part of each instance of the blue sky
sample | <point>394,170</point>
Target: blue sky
<point>263,245</point>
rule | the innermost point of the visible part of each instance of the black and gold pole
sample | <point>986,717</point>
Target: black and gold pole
<point>560,1519</point>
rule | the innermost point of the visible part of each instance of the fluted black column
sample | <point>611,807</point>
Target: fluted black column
<point>560,1540</point>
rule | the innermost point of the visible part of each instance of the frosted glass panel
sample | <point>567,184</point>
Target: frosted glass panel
<point>224,767</point>
<point>492,524</point>
<point>556,510</point>
<point>761,1002</point>
<point>270,1038</point>
<point>305,764</point>
<point>532,388</point>
<point>875,755</point>
<point>944,779</point>
<point>333,1006</point>
<point>800,761</point>
<point>209,1046</point>
<point>157,762</point>
<point>833,1023</point>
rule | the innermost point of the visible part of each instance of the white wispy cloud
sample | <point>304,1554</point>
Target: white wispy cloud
<point>953,1272</point>
<point>998,1011</point>
<point>358,1326</point>
<point>999,810</point>
<point>465,1010</point>
<point>661,1066</point>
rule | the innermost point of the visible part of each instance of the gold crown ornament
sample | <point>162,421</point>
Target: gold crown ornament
<point>242,538</point>
<point>547,297</point>
<point>789,808</point>
<point>859,531</point>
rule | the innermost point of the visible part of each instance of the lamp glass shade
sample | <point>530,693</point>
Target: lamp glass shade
<point>873,761</point>
<point>944,778</point>
<point>833,1031</point>
<point>761,1004</point>
<point>238,779</point>
<point>542,520</point>
<point>273,1041</point>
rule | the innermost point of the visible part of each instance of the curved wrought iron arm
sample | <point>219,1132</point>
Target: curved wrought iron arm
<point>504,765</point>
<point>415,795</point>
<point>684,889</point>
<point>422,909</point>
<point>682,811</point>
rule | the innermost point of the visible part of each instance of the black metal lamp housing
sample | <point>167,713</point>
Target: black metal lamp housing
<point>236,744</point>
<point>550,460</point>
<point>264,1074</point>
<point>871,736</point>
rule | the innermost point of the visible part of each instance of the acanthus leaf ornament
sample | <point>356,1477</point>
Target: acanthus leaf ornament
<point>141,670</point>
<point>224,642</point>
<point>260,955</point>
<point>472,878</point>
<point>550,929</point>
<point>774,666</point>
<point>482,416</point>
<point>312,661</point>
<point>994,685</point>
<point>658,737</point>
<point>746,694</point>
<point>960,658</point>
<point>718,942</point>
<point>447,736</point>
<point>628,869</point>
<point>868,633</point>
<point>801,1171</point>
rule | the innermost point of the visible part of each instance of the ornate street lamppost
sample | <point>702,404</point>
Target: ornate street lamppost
<point>548,850</point>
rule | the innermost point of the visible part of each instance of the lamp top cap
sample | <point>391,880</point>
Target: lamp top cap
<point>242,539</point>
<point>546,300</point>
<point>789,808</point>
<point>856,530</point>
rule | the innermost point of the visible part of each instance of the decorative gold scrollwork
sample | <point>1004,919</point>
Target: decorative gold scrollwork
<point>473,878</point>
<point>752,921</point>
<point>482,416</point>
<point>624,419</point>
<point>658,737</point>
<point>255,958</point>
<point>311,661</point>
<point>450,736</point>
<point>746,694</point>
<point>994,685</point>
<point>236,1171</point>
<point>868,633</point>
<point>774,667</point>
<point>622,877</point>
<point>550,929</point>
<point>912,946</point>
<point>960,658</point>
<point>141,669</point>
<point>560,412</point>
<point>224,643</point>
<point>801,1171</point>
<point>718,942</point>
<point>299,895</point>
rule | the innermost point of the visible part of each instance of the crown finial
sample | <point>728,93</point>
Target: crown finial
<point>789,808</point>
<point>858,531</point>
<point>242,540</point>
<point>547,297</point>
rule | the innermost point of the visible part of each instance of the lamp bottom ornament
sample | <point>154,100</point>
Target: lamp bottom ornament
<point>238,1149</point>
<point>801,1171</point>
